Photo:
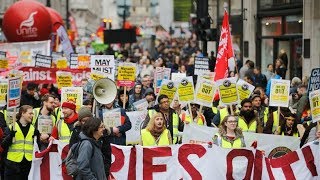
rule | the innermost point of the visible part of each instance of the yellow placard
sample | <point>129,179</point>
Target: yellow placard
<point>169,90</point>
<point>72,94</point>
<point>186,91</point>
<point>316,106</point>
<point>228,94</point>
<point>96,76</point>
<point>83,61</point>
<point>25,57</point>
<point>243,93</point>
<point>126,73</point>
<point>62,63</point>
<point>64,81</point>
<point>205,92</point>
<point>4,64</point>
<point>3,93</point>
<point>280,93</point>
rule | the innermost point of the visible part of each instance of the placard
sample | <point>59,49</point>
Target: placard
<point>14,92</point>
<point>3,91</point>
<point>160,74</point>
<point>83,61</point>
<point>4,64</point>
<point>168,88</point>
<point>178,76</point>
<point>43,61</point>
<point>141,105</point>
<point>74,61</point>
<point>314,97</point>
<point>244,89</point>
<point>314,80</point>
<point>45,124</point>
<point>186,89</point>
<point>64,79</point>
<point>279,95</point>
<point>201,65</point>
<point>72,94</point>
<point>3,54</point>
<point>102,66</point>
<point>126,74</point>
<point>62,63</point>
<point>227,90</point>
<point>204,92</point>
<point>112,118</point>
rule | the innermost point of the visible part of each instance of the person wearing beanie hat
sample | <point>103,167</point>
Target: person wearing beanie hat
<point>65,125</point>
<point>84,114</point>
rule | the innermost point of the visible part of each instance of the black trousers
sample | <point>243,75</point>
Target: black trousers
<point>17,171</point>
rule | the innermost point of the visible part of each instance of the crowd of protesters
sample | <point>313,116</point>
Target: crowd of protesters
<point>164,120</point>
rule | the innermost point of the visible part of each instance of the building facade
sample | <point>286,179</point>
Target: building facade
<point>263,29</point>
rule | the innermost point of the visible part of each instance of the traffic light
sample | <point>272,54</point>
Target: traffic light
<point>202,29</point>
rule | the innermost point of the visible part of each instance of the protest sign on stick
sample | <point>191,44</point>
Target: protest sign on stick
<point>14,92</point>
<point>228,90</point>
<point>43,61</point>
<point>83,61</point>
<point>314,80</point>
<point>201,65</point>
<point>168,88</point>
<point>244,89</point>
<point>204,92</point>
<point>3,91</point>
<point>64,79</point>
<point>186,91</point>
<point>112,118</point>
<point>72,94</point>
<point>314,98</point>
<point>102,66</point>
<point>279,95</point>
<point>126,76</point>
<point>73,61</point>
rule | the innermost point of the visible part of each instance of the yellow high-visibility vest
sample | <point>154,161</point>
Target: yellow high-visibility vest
<point>237,143</point>
<point>175,124</point>
<point>36,112</point>
<point>275,121</point>
<point>186,117</point>
<point>22,147</point>
<point>149,140</point>
<point>63,131</point>
<point>252,127</point>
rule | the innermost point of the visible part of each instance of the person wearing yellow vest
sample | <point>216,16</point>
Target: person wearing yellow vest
<point>44,118</point>
<point>222,113</point>
<point>64,126</point>
<point>262,111</point>
<point>20,151</point>
<point>173,122</point>
<point>156,133</point>
<point>248,118</point>
<point>288,127</point>
<point>198,117</point>
<point>229,135</point>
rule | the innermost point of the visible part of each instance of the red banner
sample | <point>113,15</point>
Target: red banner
<point>48,75</point>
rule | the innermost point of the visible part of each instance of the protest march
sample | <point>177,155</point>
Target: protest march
<point>127,112</point>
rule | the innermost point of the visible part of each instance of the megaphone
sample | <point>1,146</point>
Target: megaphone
<point>104,91</point>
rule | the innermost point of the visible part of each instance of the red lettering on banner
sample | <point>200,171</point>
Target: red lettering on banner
<point>271,177</point>
<point>308,156</point>
<point>132,164</point>
<point>284,163</point>
<point>257,171</point>
<point>118,162</point>
<point>148,155</point>
<point>235,153</point>
<point>184,151</point>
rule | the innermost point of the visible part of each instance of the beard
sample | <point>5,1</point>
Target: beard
<point>248,114</point>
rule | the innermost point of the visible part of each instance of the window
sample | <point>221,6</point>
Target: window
<point>293,25</point>
<point>266,53</point>
<point>271,26</point>
<point>235,7</point>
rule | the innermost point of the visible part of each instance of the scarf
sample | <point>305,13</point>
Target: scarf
<point>70,120</point>
<point>156,132</point>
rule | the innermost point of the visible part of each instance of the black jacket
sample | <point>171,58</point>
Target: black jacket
<point>27,99</point>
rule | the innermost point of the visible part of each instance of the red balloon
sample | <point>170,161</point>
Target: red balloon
<point>55,18</point>
<point>26,21</point>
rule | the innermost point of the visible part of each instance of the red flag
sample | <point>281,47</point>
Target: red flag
<point>225,51</point>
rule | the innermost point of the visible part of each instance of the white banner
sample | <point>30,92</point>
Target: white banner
<point>188,161</point>
<point>272,145</point>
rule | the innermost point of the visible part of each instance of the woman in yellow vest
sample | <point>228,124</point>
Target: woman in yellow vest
<point>229,135</point>
<point>156,133</point>
<point>288,127</point>
<point>20,151</point>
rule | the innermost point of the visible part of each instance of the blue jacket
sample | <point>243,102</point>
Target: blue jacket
<point>269,84</point>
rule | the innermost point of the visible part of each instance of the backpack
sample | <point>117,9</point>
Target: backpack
<point>71,159</point>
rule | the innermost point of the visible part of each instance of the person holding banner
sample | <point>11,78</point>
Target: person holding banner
<point>229,135</point>
<point>156,133</point>
<point>20,151</point>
